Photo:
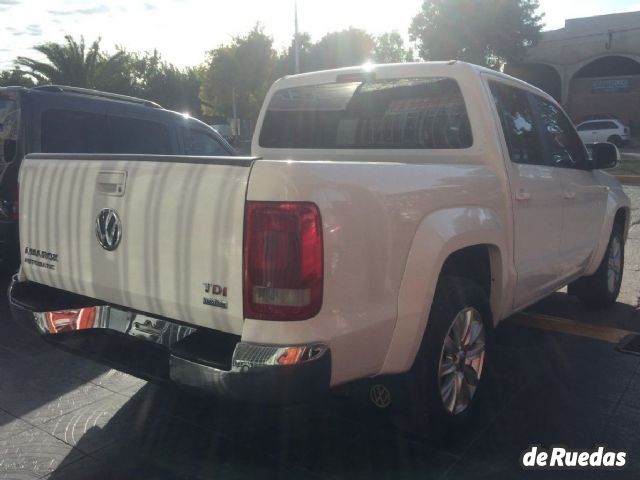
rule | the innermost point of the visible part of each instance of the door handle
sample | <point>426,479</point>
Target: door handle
<point>522,194</point>
<point>569,194</point>
<point>112,182</point>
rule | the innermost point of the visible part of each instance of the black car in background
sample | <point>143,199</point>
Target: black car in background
<point>59,119</point>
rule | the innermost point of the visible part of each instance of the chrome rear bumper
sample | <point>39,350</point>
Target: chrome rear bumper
<point>161,349</point>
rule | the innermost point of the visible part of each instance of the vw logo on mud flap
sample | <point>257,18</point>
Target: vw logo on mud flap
<point>108,229</point>
<point>380,396</point>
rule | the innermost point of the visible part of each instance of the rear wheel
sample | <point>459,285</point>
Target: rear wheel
<point>616,140</point>
<point>601,289</point>
<point>447,375</point>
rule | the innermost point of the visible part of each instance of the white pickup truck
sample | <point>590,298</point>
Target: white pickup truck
<point>392,216</point>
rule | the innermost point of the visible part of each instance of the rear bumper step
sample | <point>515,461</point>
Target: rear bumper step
<point>159,349</point>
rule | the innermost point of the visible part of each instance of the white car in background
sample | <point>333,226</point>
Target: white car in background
<point>605,130</point>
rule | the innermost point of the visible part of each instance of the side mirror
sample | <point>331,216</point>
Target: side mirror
<point>604,155</point>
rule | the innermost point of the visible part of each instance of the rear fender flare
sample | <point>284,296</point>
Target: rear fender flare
<point>439,235</point>
<point>613,205</point>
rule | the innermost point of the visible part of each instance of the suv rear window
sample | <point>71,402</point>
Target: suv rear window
<point>68,131</point>
<point>411,113</point>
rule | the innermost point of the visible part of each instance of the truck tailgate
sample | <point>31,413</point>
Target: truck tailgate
<point>161,235</point>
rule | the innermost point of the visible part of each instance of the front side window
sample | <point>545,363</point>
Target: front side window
<point>518,125</point>
<point>200,144</point>
<point>135,136</point>
<point>423,113</point>
<point>564,147</point>
<point>69,131</point>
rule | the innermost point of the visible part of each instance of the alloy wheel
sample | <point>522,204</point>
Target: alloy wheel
<point>461,360</point>
<point>614,268</point>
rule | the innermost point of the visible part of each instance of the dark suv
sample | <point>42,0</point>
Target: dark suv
<point>57,119</point>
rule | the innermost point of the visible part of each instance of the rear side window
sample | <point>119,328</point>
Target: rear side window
<point>587,126</point>
<point>518,125</point>
<point>131,135</point>
<point>67,131</point>
<point>597,126</point>
<point>198,143</point>
<point>424,113</point>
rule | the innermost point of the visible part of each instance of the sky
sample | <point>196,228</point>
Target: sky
<point>184,30</point>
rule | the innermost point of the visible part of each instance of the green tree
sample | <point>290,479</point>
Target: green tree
<point>341,49</point>
<point>72,63</point>
<point>175,89</point>
<point>344,48</point>
<point>485,32</point>
<point>15,77</point>
<point>246,65</point>
<point>153,79</point>
<point>285,63</point>
<point>389,48</point>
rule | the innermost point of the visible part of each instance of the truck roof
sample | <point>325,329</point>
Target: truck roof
<point>451,68</point>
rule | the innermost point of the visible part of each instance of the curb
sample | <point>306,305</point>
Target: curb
<point>629,179</point>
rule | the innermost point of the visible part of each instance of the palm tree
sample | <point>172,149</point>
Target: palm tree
<point>71,63</point>
<point>15,77</point>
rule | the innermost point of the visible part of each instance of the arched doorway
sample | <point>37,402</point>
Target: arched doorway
<point>610,66</point>
<point>543,76</point>
<point>607,86</point>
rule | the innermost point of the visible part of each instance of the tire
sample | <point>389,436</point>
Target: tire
<point>601,289</point>
<point>616,140</point>
<point>445,379</point>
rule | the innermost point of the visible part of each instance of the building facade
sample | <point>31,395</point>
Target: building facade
<point>591,66</point>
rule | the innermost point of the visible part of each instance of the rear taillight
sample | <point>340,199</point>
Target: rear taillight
<point>283,261</point>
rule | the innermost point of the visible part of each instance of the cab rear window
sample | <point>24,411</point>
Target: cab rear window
<point>424,113</point>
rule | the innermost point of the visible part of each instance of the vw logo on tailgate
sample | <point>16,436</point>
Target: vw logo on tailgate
<point>108,229</point>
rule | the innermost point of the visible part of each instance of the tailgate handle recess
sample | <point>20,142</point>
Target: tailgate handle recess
<point>112,183</point>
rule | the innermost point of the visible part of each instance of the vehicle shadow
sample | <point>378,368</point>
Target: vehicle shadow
<point>38,381</point>
<point>166,433</point>
<point>538,391</point>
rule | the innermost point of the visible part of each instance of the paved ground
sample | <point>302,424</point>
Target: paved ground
<point>69,418</point>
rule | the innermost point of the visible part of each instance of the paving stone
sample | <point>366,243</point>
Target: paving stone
<point>116,418</point>
<point>118,381</point>
<point>10,425</point>
<point>34,452</point>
